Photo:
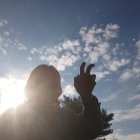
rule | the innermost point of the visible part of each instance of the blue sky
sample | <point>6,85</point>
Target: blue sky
<point>65,33</point>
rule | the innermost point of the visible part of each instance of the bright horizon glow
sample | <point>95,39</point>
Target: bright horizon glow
<point>12,92</point>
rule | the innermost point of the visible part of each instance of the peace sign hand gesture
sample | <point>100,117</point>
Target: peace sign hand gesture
<point>85,82</point>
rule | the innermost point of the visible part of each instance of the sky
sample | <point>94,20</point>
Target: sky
<point>65,33</point>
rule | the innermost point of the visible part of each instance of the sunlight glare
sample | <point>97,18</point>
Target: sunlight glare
<point>12,92</point>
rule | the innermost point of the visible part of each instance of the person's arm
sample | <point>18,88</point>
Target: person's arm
<point>84,84</point>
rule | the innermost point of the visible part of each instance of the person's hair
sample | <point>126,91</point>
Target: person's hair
<point>42,81</point>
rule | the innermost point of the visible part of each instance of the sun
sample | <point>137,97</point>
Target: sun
<point>11,92</point>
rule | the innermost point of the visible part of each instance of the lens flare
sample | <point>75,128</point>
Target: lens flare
<point>12,92</point>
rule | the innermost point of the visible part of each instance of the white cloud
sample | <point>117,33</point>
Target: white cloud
<point>38,50</point>
<point>130,73</point>
<point>62,62</point>
<point>138,105</point>
<point>3,22</point>
<point>107,57</point>
<point>115,49</point>
<point>62,79</point>
<point>34,50</point>
<point>134,71</point>
<point>95,34</point>
<point>102,48</point>
<point>91,35</point>
<point>101,74</point>
<point>6,33</point>
<point>111,31</point>
<point>66,60</point>
<point>126,75</point>
<point>20,46</point>
<point>117,136</point>
<point>7,43</point>
<point>51,58</point>
<point>138,86</point>
<point>4,44</point>
<point>29,58</point>
<point>114,65</point>
<point>98,51</point>
<point>69,91</point>
<point>96,47</point>
<point>127,114</point>
<point>63,55</point>
<point>138,49</point>
<point>3,50</point>
<point>135,97</point>
<point>93,56</point>
<point>109,98</point>
<point>70,45</point>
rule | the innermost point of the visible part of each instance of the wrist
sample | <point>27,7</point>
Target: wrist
<point>86,97</point>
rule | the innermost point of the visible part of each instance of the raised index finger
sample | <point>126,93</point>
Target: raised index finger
<point>90,66</point>
<point>82,68</point>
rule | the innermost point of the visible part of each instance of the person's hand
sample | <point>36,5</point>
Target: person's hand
<point>85,82</point>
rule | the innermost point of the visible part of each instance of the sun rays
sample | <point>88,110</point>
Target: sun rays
<point>11,92</point>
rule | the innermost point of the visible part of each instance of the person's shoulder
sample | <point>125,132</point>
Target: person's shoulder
<point>6,114</point>
<point>6,122</point>
<point>11,113</point>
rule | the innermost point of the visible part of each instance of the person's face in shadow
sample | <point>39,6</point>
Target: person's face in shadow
<point>52,87</point>
<point>44,85</point>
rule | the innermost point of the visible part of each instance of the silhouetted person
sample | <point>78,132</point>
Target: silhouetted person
<point>41,118</point>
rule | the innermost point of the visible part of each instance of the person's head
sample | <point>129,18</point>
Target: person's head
<point>43,84</point>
